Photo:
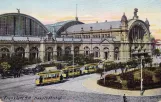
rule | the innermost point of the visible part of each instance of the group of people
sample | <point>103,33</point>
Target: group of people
<point>17,74</point>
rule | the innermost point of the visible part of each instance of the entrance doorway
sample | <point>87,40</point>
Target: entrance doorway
<point>106,55</point>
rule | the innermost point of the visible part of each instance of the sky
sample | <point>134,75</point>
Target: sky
<point>89,11</point>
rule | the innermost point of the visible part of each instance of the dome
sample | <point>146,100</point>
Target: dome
<point>124,18</point>
<point>147,22</point>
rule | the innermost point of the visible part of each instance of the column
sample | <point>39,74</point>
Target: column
<point>101,53</point>
<point>121,52</point>
<point>63,49</point>
<point>27,49</point>
<point>42,51</point>
<point>111,54</point>
<point>72,49</point>
<point>81,49</point>
<point>12,50</point>
<point>55,52</point>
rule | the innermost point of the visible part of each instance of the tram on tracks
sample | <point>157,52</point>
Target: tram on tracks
<point>43,78</point>
<point>71,71</point>
<point>54,76</point>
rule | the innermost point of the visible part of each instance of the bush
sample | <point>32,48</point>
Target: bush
<point>99,70</point>
<point>111,77</point>
<point>158,74</point>
<point>159,64</point>
<point>127,76</point>
<point>111,84</point>
<point>147,78</point>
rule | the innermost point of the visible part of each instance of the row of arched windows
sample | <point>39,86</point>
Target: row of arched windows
<point>34,52</point>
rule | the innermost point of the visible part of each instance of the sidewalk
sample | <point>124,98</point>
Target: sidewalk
<point>91,84</point>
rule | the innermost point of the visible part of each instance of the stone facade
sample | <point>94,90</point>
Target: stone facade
<point>114,41</point>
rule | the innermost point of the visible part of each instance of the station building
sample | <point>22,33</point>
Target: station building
<point>120,40</point>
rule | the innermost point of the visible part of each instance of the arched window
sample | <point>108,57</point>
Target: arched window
<point>4,52</point>
<point>96,52</point>
<point>76,50</point>
<point>20,51</point>
<point>116,53</point>
<point>106,53</point>
<point>59,51</point>
<point>49,53</point>
<point>34,53</point>
<point>86,50</point>
<point>67,50</point>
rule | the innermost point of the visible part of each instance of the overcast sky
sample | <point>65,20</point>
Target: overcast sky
<point>51,11</point>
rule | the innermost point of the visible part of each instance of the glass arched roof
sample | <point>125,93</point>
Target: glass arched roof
<point>59,27</point>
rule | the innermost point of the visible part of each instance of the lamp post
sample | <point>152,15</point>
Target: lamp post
<point>104,74</point>
<point>141,86</point>
<point>73,54</point>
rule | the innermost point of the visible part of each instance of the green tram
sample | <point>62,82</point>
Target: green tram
<point>71,71</point>
<point>48,77</point>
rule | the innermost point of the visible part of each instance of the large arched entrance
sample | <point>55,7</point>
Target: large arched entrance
<point>138,37</point>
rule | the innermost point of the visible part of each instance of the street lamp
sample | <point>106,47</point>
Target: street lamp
<point>73,54</point>
<point>104,74</point>
<point>141,79</point>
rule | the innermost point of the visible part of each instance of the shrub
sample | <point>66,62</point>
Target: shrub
<point>147,79</point>
<point>159,64</point>
<point>127,76</point>
<point>99,70</point>
<point>111,84</point>
<point>111,77</point>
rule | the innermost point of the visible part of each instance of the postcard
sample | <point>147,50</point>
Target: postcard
<point>80,51</point>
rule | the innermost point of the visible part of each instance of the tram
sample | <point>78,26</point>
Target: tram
<point>48,77</point>
<point>89,68</point>
<point>71,71</point>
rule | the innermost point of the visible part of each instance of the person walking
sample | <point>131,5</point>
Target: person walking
<point>124,98</point>
<point>61,78</point>
<point>101,77</point>
<point>40,80</point>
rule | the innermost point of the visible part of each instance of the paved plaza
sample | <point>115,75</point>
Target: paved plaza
<point>78,89</point>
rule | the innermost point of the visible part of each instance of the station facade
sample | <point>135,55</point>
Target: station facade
<point>25,36</point>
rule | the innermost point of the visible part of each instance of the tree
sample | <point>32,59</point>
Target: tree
<point>156,52</point>
<point>148,60</point>
<point>4,66</point>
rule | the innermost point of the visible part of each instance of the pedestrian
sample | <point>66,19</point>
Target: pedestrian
<point>101,75</point>
<point>61,78</point>
<point>40,80</point>
<point>124,98</point>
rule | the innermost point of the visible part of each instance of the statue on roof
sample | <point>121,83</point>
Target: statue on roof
<point>135,13</point>
<point>18,10</point>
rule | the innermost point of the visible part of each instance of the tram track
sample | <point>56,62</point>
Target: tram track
<point>18,86</point>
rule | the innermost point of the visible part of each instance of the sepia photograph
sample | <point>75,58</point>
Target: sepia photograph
<point>80,51</point>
